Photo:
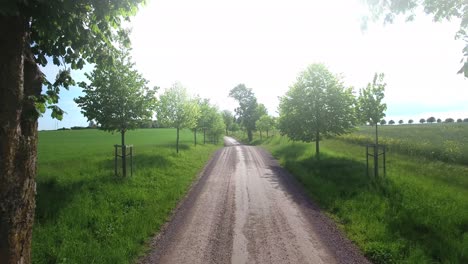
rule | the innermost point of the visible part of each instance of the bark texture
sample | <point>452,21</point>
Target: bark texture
<point>20,78</point>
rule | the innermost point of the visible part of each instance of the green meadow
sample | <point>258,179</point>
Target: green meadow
<point>417,214</point>
<point>84,214</point>
<point>442,141</point>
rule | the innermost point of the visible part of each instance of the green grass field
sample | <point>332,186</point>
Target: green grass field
<point>446,142</point>
<point>418,214</point>
<point>85,214</point>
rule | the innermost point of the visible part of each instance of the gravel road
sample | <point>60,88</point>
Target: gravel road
<point>246,209</point>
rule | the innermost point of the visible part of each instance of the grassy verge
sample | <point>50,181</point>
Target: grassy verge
<point>86,215</point>
<point>418,214</point>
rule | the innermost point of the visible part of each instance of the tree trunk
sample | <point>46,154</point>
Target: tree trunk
<point>261,135</point>
<point>204,136</point>
<point>249,134</point>
<point>317,144</point>
<point>376,153</point>
<point>20,78</point>
<point>124,154</point>
<point>177,141</point>
<point>195,136</point>
<point>267,133</point>
<point>227,132</point>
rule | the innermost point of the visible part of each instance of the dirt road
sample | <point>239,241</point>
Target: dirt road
<point>246,209</point>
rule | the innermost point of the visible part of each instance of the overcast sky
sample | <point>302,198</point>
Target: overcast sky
<point>210,46</point>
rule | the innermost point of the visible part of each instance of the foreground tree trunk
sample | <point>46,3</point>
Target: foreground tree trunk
<point>20,78</point>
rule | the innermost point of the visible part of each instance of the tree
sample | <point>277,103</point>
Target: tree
<point>449,120</point>
<point>261,111</point>
<point>431,119</point>
<point>264,123</point>
<point>459,120</point>
<point>391,122</point>
<point>247,110</point>
<point>439,120</point>
<point>316,106</point>
<point>383,122</point>
<point>117,98</point>
<point>217,127</point>
<point>441,10</point>
<point>69,33</point>
<point>228,119</point>
<point>410,121</point>
<point>175,109</point>
<point>400,122</point>
<point>422,120</point>
<point>201,122</point>
<point>465,120</point>
<point>371,109</point>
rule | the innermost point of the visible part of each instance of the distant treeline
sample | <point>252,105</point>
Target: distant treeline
<point>430,120</point>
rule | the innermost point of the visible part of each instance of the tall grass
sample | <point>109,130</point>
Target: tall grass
<point>444,141</point>
<point>418,214</point>
<point>85,214</point>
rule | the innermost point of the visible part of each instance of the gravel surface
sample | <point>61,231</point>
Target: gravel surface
<point>246,209</point>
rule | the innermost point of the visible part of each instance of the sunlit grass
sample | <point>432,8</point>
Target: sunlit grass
<point>444,141</point>
<point>85,214</point>
<point>418,214</point>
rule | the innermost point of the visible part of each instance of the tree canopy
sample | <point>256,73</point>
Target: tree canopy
<point>248,107</point>
<point>176,109</point>
<point>316,106</point>
<point>370,101</point>
<point>117,98</point>
<point>71,34</point>
<point>265,123</point>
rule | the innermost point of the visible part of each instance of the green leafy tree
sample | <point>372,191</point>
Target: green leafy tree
<point>449,120</point>
<point>371,108</point>
<point>209,121</point>
<point>439,9</point>
<point>459,120</point>
<point>217,126</point>
<point>68,33</point>
<point>391,122</point>
<point>400,122</point>
<point>117,98</point>
<point>175,109</point>
<point>228,119</point>
<point>265,123</point>
<point>422,120</point>
<point>383,122</point>
<point>410,121</point>
<point>261,111</point>
<point>439,120</point>
<point>431,119</point>
<point>247,110</point>
<point>210,118</point>
<point>316,106</point>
